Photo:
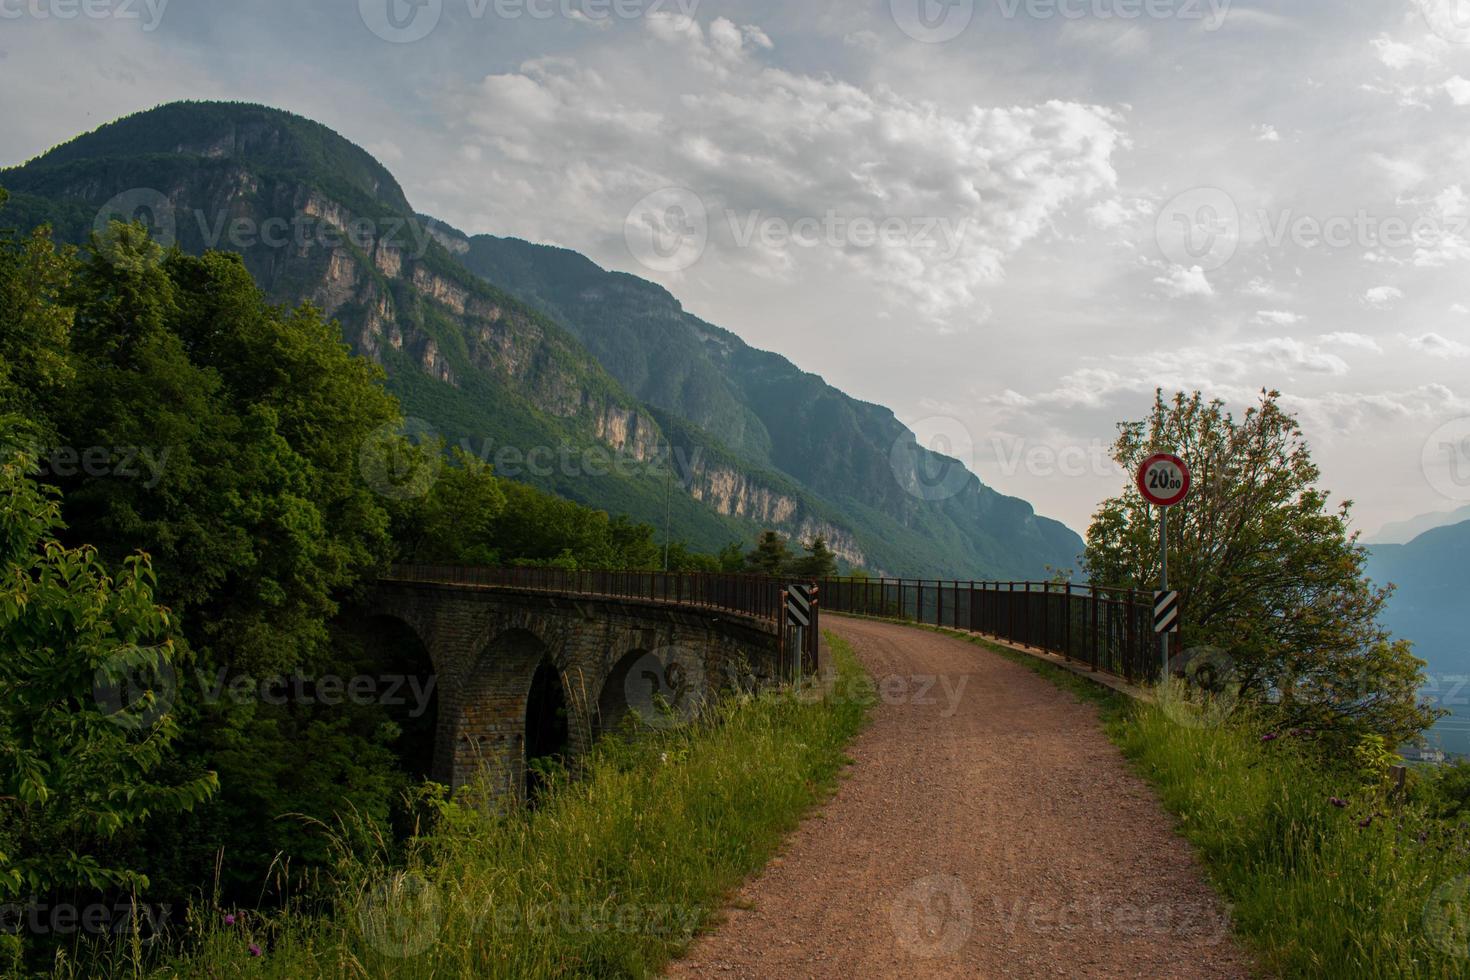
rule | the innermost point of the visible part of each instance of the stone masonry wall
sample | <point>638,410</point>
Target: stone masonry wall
<point>486,645</point>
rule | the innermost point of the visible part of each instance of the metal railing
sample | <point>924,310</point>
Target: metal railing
<point>1108,630</point>
<point>755,596</point>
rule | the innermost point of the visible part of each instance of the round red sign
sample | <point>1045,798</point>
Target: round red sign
<point>1164,480</point>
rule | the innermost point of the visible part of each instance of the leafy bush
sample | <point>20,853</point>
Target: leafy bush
<point>87,726</point>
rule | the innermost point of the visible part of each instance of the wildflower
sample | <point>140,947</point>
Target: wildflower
<point>1365,823</point>
<point>1338,802</point>
<point>230,919</point>
<point>1270,737</point>
<point>254,949</point>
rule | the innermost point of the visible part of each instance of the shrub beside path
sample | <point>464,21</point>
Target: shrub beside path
<point>988,828</point>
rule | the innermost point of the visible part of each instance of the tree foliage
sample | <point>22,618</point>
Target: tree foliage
<point>87,670</point>
<point>770,556</point>
<point>1271,572</point>
<point>35,323</point>
<point>471,516</point>
<point>818,562</point>
<point>252,508</point>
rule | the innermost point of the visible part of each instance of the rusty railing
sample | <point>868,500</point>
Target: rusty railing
<point>1108,630</point>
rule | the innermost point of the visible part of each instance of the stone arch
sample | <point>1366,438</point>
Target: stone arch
<point>548,724</point>
<point>516,703</point>
<point>614,703</point>
<point>665,683</point>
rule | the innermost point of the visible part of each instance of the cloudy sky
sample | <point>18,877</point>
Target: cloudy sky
<point>1008,220</point>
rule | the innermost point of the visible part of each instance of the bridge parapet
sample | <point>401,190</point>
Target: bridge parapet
<point>518,652</point>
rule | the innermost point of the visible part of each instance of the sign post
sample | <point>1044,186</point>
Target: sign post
<point>798,600</point>
<point>1164,480</point>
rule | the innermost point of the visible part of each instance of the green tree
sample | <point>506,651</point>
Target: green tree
<point>731,558</point>
<point>455,521</point>
<point>35,325</point>
<point>818,562</point>
<point>771,555</point>
<point>244,423</point>
<point>682,559</point>
<point>88,674</point>
<point>1271,573</point>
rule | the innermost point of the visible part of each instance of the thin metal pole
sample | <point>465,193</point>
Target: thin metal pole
<point>668,504</point>
<point>1164,586</point>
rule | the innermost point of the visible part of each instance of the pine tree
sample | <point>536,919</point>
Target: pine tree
<point>771,555</point>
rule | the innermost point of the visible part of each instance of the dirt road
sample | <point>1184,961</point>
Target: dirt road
<point>988,829</point>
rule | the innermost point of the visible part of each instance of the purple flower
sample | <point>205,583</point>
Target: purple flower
<point>230,919</point>
<point>1338,802</point>
<point>254,950</point>
<point>1365,823</point>
<point>1270,737</point>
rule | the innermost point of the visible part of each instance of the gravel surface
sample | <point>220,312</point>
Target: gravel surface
<point>987,829</point>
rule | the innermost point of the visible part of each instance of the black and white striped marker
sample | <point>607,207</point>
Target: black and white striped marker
<point>1166,612</point>
<point>798,606</point>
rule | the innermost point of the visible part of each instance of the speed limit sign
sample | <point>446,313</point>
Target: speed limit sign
<point>1164,480</point>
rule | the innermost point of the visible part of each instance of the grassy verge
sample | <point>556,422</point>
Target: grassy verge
<point>611,876</point>
<point>1327,876</point>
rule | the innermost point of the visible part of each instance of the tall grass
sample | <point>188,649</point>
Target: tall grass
<point>610,876</point>
<point>1329,874</point>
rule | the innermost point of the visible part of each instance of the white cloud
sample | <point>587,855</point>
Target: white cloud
<point>1231,371</point>
<point>1436,346</point>
<point>1400,55</point>
<point>1277,318</point>
<point>1381,297</point>
<point>761,143</point>
<point>1260,288</point>
<point>1403,174</point>
<point>1117,212</point>
<point>1458,89</point>
<point>1356,341</point>
<point>1267,133</point>
<point>1179,282</point>
<point>386,150</point>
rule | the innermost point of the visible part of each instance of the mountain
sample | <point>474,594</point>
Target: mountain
<point>925,509</point>
<point>500,344</point>
<point>1428,608</point>
<point>1433,580</point>
<point>1402,532</point>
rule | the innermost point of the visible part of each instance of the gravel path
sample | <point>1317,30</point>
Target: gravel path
<point>988,829</point>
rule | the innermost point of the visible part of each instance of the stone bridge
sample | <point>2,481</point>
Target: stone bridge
<point>528,669</point>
